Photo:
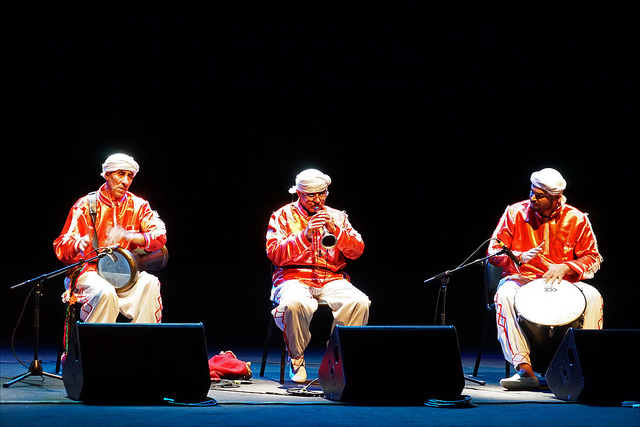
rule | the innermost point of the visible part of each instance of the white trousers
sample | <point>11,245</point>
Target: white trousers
<point>297,302</point>
<point>515,346</point>
<point>102,304</point>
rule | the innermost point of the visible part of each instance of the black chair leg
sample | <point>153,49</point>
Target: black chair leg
<point>265,352</point>
<point>283,355</point>
<point>59,359</point>
<point>483,341</point>
<point>266,346</point>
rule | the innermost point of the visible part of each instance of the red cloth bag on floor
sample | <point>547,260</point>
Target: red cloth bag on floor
<point>226,365</point>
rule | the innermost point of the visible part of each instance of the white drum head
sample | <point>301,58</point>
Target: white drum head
<point>552,305</point>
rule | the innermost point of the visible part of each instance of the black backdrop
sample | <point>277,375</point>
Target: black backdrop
<point>429,117</point>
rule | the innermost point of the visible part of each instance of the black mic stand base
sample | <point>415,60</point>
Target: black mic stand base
<point>474,380</point>
<point>34,369</point>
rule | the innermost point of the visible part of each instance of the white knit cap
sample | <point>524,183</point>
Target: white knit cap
<point>549,180</point>
<point>119,161</point>
<point>311,181</point>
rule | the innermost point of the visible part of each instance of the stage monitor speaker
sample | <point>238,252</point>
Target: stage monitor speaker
<point>127,363</point>
<point>399,365</point>
<point>591,366</point>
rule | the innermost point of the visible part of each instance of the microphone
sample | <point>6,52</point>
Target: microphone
<point>509,253</point>
<point>111,255</point>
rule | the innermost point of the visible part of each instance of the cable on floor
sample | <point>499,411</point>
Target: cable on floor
<point>465,402</point>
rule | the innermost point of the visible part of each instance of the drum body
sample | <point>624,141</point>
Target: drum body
<point>123,272</point>
<point>545,313</point>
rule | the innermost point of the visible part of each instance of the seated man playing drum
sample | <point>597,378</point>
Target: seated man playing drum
<point>111,218</point>
<point>552,243</point>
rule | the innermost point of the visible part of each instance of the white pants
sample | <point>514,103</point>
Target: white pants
<point>101,303</point>
<point>515,346</point>
<point>297,302</point>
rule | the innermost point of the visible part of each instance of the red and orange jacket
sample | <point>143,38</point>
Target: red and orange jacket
<point>568,237</point>
<point>295,257</point>
<point>132,213</point>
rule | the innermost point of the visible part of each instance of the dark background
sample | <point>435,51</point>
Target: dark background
<point>428,116</point>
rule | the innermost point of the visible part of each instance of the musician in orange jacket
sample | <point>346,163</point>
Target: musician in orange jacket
<point>308,244</point>
<point>123,220</point>
<point>553,241</point>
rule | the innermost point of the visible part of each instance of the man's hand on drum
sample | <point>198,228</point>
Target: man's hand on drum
<point>118,234</point>
<point>555,273</point>
<point>82,243</point>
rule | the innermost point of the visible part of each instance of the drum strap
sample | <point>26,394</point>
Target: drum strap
<point>70,318</point>
<point>92,197</point>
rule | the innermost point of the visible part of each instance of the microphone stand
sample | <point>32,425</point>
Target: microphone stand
<point>35,368</point>
<point>444,282</point>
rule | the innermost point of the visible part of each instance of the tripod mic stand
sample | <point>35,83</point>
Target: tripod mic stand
<point>35,368</point>
<point>442,295</point>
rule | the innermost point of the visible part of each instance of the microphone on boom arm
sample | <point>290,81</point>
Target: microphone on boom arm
<point>510,254</point>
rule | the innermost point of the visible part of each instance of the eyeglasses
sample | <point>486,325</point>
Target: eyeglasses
<point>538,196</point>
<point>323,195</point>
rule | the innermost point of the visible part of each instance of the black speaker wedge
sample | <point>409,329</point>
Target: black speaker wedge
<point>398,365</point>
<point>126,363</point>
<point>589,367</point>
